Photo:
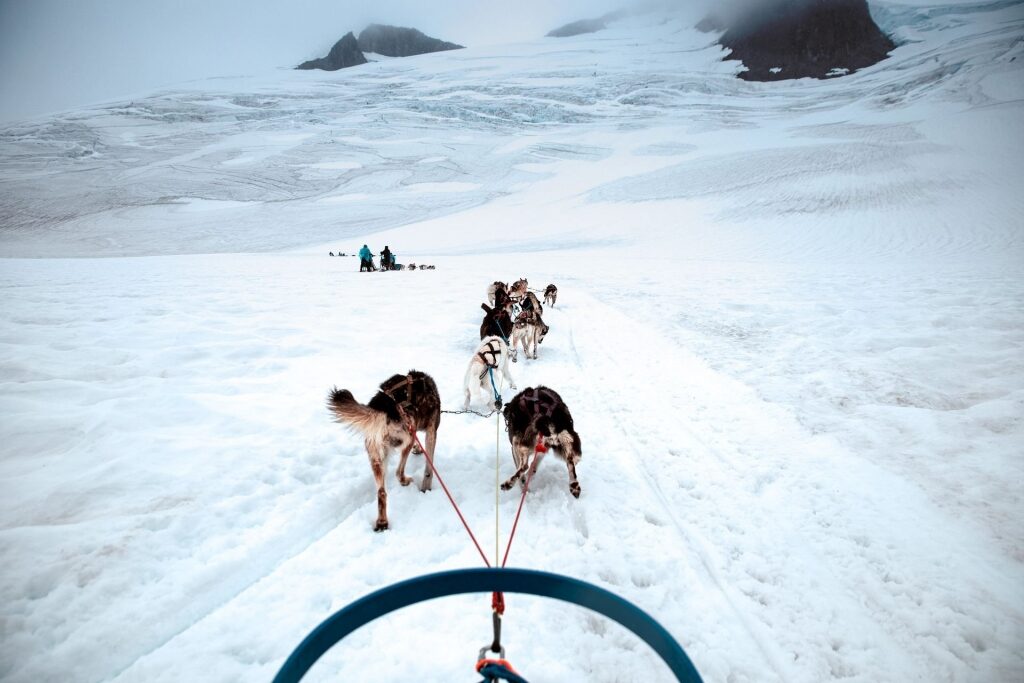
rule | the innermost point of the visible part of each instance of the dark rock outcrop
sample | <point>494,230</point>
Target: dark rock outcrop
<point>577,28</point>
<point>345,53</point>
<point>395,41</point>
<point>778,39</point>
<point>591,25</point>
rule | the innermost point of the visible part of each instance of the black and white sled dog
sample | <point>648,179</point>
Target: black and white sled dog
<point>497,322</point>
<point>550,295</point>
<point>538,420</point>
<point>405,403</point>
<point>491,357</point>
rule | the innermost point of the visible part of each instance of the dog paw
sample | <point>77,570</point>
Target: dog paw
<point>381,525</point>
<point>506,486</point>
<point>405,481</point>
<point>574,488</point>
<point>416,450</point>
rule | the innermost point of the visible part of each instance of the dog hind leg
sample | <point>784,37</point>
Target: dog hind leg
<point>404,480</point>
<point>521,455</point>
<point>428,471</point>
<point>468,385</point>
<point>507,374</point>
<point>520,465</point>
<point>376,453</point>
<point>574,484</point>
<point>567,444</point>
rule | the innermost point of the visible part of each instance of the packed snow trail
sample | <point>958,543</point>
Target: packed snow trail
<point>706,506</point>
<point>744,473</point>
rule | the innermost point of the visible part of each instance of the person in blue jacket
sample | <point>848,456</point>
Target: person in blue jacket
<point>365,259</point>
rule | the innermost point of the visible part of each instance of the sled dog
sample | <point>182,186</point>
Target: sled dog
<point>537,420</point>
<point>550,295</point>
<point>528,332</point>
<point>491,357</point>
<point>493,289</point>
<point>403,404</point>
<point>497,322</point>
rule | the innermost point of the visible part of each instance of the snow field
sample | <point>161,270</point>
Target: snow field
<point>789,330</point>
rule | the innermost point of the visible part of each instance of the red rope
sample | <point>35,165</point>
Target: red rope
<point>448,493</point>
<point>497,598</point>
<point>540,448</point>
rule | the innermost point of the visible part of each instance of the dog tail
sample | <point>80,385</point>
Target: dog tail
<point>350,412</point>
<point>568,440</point>
<point>544,425</point>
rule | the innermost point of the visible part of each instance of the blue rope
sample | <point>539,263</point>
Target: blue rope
<point>493,672</point>
<point>497,395</point>
<point>459,581</point>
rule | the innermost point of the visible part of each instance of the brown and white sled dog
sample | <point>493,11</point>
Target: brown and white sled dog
<point>404,403</point>
<point>492,292</point>
<point>550,295</point>
<point>518,289</point>
<point>491,357</point>
<point>528,332</point>
<point>538,420</point>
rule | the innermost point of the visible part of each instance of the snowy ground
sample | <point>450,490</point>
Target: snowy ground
<point>790,328</point>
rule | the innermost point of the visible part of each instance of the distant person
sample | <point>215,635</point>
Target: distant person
<point>331,253</point>
<point>365,259</point>
<point>385,259</point>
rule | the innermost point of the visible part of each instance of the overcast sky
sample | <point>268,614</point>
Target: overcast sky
<point>62,54</point>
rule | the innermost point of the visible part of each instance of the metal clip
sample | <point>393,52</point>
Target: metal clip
<point>486,648</point>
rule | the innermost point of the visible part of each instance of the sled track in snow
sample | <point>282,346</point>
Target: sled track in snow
<point>691,540</point>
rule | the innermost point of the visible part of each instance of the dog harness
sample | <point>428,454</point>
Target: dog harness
<point>402,392</point>
<point>493,350</point>
<point>538,402</point>
<point>496,324</point>
<point>527,317</point>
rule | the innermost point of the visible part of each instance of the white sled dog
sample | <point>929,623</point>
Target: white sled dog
<point>491,356</point>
